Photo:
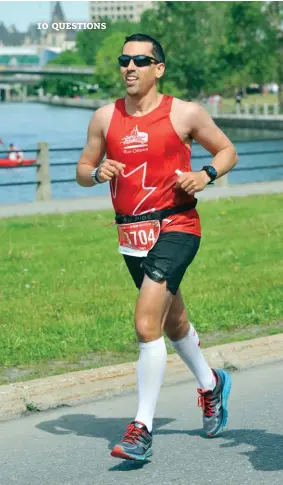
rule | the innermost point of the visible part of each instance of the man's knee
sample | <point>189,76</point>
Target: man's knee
<point>147,328</point>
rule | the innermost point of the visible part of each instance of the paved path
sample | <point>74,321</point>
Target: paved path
<point>104,202</point>
<point>70,446</point>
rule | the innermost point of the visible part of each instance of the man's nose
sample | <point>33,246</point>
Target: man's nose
<point>132,65</point>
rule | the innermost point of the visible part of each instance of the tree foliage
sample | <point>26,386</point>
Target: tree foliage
<point>90,41</point>
<point>68,58</point>
<point>108,72</point>
<point>209,46</point>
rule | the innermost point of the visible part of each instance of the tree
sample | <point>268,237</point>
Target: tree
<point>245,53</point>
<point>274,15</point>
<point>66,85</point>
<point>68,58</point>
<point>107,68</point>
<point>90,41</point>
<point>187,33</point>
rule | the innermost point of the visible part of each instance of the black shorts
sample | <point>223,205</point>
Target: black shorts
<point>167,260</point>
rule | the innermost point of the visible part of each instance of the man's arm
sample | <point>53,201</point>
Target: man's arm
<point>202,128</point>
<point>93,151</point>
<point>207,134</point>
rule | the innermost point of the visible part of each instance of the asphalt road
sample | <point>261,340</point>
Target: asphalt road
<point>70,446</point>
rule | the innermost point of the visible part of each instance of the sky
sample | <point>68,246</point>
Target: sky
<point>21,14</point>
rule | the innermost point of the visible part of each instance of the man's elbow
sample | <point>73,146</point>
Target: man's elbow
<point>77,176</point>
<point>234,156</point>
<point>79,179</point>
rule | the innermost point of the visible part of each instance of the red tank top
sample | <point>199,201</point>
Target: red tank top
<point>151,150</point>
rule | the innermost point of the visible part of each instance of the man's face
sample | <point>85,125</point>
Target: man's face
<point>139,80</point>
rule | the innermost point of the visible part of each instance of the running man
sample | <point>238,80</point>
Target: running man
<point>147,138</point>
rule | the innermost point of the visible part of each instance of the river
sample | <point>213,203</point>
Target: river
<point>25,124</point>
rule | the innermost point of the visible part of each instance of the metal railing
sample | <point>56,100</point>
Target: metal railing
<point>49,70</point>
<point>254,110</point>
<point>43,180</point>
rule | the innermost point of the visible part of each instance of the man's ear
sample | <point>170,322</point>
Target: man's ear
<point>160,69</point>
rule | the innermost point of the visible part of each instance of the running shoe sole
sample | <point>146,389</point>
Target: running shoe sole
<point>225,394</point>
<point>118,452</point>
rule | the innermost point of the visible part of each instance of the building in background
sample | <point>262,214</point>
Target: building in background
<point>117,10</point>
<point>63,39</point>
<point>18,56</point>
<point>38,38</point>
<point>10,36</point>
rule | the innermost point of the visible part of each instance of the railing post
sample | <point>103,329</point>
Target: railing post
<point>222,181</point>
<point>24,93</point>
<point>265,109</point>
<point>275,109</point>
<point>215,109</point>
<point>43,189</point>
<point>247,109</point>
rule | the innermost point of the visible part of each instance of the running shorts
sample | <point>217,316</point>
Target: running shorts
<point>167,260</point>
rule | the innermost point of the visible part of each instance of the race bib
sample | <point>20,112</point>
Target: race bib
<point>138,238</point>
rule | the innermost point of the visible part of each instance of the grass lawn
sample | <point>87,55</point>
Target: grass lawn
<point>229,105</point>
<point>268,98</point>
<point>65,290</point>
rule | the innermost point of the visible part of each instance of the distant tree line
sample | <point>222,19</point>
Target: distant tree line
<point>210,47</point>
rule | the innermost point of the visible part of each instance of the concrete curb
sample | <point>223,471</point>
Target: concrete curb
<point>82,386</point>
<point>102,202</point>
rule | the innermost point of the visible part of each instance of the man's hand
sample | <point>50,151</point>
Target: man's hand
<point>109,169</point>
<point>192,182</point>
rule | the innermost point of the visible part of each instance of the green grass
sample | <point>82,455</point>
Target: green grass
<point>229,105</point>
<point>65,291</point>
<point>268,98</point>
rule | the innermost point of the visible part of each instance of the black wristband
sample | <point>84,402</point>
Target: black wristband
<point>96,178</point>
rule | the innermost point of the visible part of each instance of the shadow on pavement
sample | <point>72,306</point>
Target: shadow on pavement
<point>267,454</point>
<point>268,447</point>
<point>111,429</point>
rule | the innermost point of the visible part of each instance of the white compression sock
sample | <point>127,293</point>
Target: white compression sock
<point>189,350</point>
<point>150,369</point>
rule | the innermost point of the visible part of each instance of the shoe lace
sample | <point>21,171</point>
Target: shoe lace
<point>206,402</point>
<point>133,433</point>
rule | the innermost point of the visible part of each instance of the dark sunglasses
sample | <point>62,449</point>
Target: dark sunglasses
<point>139,61</point>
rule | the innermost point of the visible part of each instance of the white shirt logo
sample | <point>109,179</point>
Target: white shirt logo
<point>136,141</point>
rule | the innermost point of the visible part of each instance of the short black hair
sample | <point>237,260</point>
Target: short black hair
<point>157,49</point>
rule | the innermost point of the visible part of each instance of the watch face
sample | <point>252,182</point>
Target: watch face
<point>213,171</point>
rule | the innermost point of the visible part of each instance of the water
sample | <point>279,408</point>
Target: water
<point>27,124</point>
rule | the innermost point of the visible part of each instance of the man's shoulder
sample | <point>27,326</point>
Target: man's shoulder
<point>186,109</point>
<point>187,105</point>
<point>102,116</point>
<point>105,110</point>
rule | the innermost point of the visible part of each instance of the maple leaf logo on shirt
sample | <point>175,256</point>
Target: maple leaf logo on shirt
<point>147,190</point>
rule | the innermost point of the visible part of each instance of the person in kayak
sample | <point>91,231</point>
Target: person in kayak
<point>15,154</point>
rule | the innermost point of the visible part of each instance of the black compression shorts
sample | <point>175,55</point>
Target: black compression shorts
<point>167,260</point>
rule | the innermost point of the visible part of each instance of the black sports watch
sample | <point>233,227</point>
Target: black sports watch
<point>211,172</point>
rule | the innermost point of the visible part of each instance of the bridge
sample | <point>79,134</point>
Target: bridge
<point>19,79</point>
<point>48,70</point>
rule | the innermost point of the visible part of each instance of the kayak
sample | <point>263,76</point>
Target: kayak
<point>6,162</point>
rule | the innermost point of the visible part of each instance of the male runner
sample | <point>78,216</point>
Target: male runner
<point>147,138</point>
